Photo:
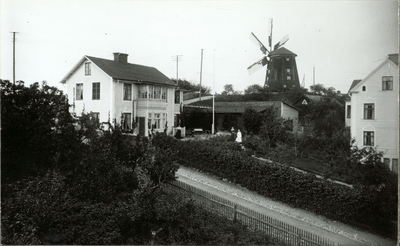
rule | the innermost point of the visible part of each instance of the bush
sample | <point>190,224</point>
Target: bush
<point>42,210</point>
<point>280,182</point>
<point>37,129</point>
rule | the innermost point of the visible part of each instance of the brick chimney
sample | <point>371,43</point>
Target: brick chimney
<point>121,57</point>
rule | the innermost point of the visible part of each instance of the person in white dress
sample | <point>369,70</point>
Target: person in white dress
<point>239,136</point>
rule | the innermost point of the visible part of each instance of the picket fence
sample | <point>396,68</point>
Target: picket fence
<point>279,230</point>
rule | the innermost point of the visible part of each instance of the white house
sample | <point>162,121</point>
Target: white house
<point>136,97</point>
<point>372,113</point>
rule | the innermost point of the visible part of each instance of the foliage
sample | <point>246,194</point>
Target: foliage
<point>267,124</point>
<point>187,85</point>
<point>255,89</point>
<point>306,191</point>
<point>252,121</point>
<point>325,117</point>
<point>35,125</point>
<point>273,129</point>
<point>43,210</point>
<point>228,90</point>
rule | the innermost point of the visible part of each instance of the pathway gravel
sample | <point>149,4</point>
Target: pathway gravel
<point>333,230</point>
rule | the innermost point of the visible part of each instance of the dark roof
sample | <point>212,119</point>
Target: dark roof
<point>130,72</point>
<point>282,51</point>
<point>355,82</point>
<point>394,58</point>
<point>316,98</point>
<point>239,107</point>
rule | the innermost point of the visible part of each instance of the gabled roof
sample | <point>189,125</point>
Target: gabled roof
<point>355,82</point>
<point>125,71</point>
<point>282,51</point>
<point>391,58</point>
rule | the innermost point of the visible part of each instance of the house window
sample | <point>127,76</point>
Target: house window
<point>387,83</point>
<point>369,111</point>
<point>143,91</point>
<point>96,91</point>
<point>164,93</point>
<point>177,96</point>
<point>157,121</point>
<point>128,92</point>
<point>151,91</point>
<point>288,74</point>
<point>88,69</point>
<point>395,165</point>
<point>126,121</point>
<point>369,138</point>
<point>348,113</point>
<point>364,88</point>
<point>164,120</point>
<point>79,91</point>
<point>386,161</point>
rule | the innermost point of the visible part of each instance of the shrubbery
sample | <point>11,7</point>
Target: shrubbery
<point>370,209</point>
<point>64,181</point>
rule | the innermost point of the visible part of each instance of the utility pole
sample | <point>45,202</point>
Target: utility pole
<point>14,57</point>
<point>177,58</point>
<point>313,79</point>
<point>201,69</point>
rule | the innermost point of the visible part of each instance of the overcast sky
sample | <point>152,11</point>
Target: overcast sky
<point>344,40</point>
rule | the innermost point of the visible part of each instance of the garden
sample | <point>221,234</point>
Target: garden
<point>64,181</point>
<point>324,148</point>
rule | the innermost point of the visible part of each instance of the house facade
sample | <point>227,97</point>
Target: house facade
<point>372,113</point>
<point>139,99</point>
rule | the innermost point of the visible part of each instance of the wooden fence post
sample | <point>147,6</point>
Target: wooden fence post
<point>234,213</point>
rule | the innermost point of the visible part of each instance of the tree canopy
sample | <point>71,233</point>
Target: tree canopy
<point>190,86</point>
<point>228,90</point>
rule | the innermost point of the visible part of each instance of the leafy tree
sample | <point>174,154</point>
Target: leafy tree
<point>252,121</point>
<point>255,89</point>
<point>228,90</point>
<point>273,129</point>
<point>36,128</point>
<point>325,117</point>
<point>187,85</point>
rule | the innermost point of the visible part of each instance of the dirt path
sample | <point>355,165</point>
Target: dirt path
<point>335,231</point>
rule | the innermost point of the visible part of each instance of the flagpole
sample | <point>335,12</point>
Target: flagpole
<point>213,116</point>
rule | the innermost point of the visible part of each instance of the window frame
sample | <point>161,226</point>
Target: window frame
<point>126,122</point>
<point>348,112</point>
<point>95,91</point>
<point>385,83</point>
<point>369,113</point>
<point>88,68</point>
<point>79,88</point>
<point>369,138</point>
<point>127,97</point>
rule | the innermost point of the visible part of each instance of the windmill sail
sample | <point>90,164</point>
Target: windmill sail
<point>258,43</point>
<point>257,65</point>
<point>281,42</point>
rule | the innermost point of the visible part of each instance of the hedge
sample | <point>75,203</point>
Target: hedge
<point>368,209</point>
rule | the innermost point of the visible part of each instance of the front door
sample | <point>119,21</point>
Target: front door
<point>142,126</point>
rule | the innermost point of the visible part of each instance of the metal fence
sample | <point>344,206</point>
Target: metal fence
<point>257,221</point>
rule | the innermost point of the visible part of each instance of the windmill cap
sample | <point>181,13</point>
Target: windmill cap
<point>282,51</point>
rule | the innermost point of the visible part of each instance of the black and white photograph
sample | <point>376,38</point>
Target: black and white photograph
<point>199,122</point>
